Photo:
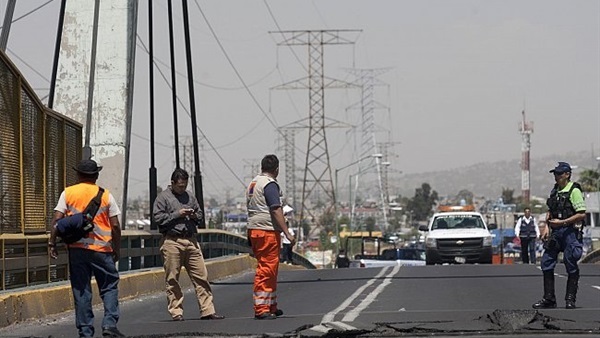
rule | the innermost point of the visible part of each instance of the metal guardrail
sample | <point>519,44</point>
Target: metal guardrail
<point>25,260</point>
<point>592,257</point>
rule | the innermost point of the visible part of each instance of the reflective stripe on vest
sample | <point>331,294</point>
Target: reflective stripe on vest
<point>77,198</point>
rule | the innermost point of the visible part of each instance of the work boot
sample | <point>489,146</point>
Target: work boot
<point>549,299</point>
<point>570,297</point>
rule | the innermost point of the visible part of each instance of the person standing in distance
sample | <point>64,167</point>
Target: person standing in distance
<point>93,255</point>
<point>528,232</point>
<point>286,245</point>
<point>565,219</point>
<point>177,212</point>
<point>265,223</point>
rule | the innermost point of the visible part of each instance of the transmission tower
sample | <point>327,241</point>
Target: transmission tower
<point>526,129</point>
<point>366,79</point>
<point>251,168</point>
<point>317,172</point>
<point>385,146</point>
<point>187,159</point>
<point>289,145</point>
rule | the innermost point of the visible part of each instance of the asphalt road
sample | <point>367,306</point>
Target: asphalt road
<point>404,301</point>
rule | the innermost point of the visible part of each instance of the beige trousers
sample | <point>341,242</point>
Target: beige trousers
<point>186,252</point>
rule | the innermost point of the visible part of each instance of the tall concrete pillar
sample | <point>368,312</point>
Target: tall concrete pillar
<point>112,86</point>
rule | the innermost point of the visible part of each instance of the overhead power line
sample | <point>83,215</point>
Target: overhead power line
<point>199,129</point>
<point>237,73</point>
<point>30,12</point>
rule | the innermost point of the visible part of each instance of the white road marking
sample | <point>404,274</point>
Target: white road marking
<point>352,314</point>
<point>329,316</point>
<point>320,328</point>
<point>341,325</point>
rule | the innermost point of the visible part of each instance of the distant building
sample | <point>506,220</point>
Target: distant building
<point>592,207</point>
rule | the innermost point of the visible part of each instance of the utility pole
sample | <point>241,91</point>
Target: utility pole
<point>317,173</point>
<point>526,129</point>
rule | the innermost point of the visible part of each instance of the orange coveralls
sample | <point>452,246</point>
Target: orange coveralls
<point>265,245</point>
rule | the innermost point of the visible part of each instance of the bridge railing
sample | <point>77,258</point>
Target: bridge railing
<point>26,262</point>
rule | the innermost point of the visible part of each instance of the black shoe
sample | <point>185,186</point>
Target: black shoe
<point>112,332</point>
<point>570,304</point>
<point>544,304</point>
<point>278,313</point>
<point>213,316</point>
<point>178,318</point>
<point>266,315</point>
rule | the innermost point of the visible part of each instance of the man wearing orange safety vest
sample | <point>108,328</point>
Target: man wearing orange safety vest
<point>265,222</point>
<point>93,255</point>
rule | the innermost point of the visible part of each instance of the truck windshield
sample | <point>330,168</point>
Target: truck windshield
<point>458,222</point>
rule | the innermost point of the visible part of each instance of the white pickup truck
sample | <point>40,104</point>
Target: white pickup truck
<point>458,237</point>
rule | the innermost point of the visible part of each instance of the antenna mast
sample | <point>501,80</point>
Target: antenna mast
<point>526,129</point>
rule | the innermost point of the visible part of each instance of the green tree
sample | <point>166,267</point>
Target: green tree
<point>327,219</point>
<point>344,220</point>
<point>464,195</point>
<point>370,224</point>
<point>324,240</point>
<point>590,180</point>
<point>507,196</point>
<point>212,202</point>
<point>422,203</point>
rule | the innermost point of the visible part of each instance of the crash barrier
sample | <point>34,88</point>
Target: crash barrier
<point>592,257</point>
<point>23,304</point>
<point>26,262</point>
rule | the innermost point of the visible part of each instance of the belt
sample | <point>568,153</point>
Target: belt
<point>186,236</point>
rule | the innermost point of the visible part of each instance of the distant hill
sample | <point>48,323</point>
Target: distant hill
<point>488,179</point>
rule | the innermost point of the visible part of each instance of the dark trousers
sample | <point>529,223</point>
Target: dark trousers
<point>527,249</point>
<point>569,244</point>
<point>286,253</point>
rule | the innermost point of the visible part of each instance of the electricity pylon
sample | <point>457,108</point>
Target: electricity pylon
<point>366,79</point>
<point>317,172</point>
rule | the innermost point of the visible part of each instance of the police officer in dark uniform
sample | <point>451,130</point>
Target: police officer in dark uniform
<point>565,217</point>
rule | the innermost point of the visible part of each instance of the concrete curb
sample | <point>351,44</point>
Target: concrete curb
<point>29,304</point>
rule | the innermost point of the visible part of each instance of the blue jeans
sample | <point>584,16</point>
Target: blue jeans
<point>83,264</point>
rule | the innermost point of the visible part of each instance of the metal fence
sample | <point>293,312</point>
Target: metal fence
<point>25,259</point>
<point>37,147</point>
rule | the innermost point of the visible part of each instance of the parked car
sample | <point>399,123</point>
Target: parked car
<point>398,256</point>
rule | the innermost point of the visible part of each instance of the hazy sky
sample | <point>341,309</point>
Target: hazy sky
<point>460,73</point>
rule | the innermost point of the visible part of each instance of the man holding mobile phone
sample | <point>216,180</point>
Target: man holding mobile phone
<point>177,212</point>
